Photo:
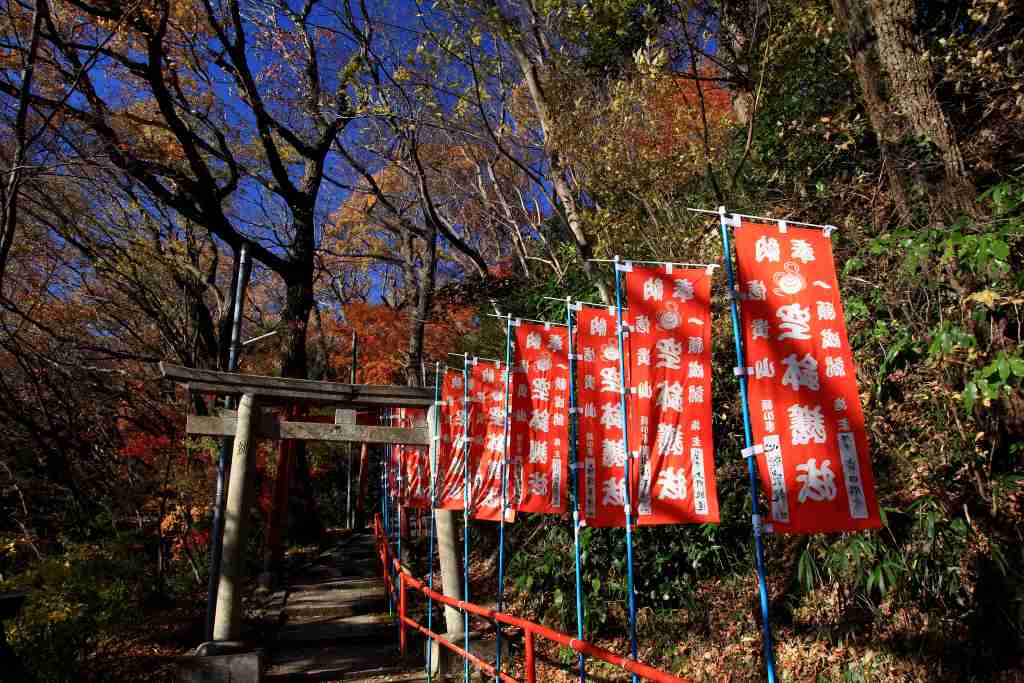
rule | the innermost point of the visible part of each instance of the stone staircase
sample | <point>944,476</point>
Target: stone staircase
<point>332,622</point>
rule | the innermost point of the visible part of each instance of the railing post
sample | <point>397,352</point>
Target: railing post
<point>531,675</point>
<point>401,612</point>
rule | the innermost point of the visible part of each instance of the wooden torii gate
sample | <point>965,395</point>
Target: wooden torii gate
<point>248,424</point>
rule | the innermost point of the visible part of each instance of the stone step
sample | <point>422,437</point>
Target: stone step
<point>343,662</point>
<point>350,628</point>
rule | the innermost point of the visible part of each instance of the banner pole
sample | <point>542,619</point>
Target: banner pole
<point>465,511</point>
<point>384,489</point>
<point>398,456</point>
<point>573,487</point>
<point>628,477</point>
<point>506,443</point>
<point>737,333</point>
<point>394,509</point>
<point>433,453</point>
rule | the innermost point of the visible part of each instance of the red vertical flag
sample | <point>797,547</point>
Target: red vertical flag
<point>539,420</point>
<point>451,454</point>
<point>670,405</point>
<point>415,463</point>
<point>602,488</point>
<point>805,410</point>
<point>486,439</point>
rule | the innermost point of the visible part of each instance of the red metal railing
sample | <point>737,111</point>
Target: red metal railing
<point>530,629</point>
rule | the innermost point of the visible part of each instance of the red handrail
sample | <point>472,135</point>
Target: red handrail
<point>530,629</point>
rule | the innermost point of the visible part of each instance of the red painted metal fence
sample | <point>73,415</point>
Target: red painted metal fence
<point>530,629</point>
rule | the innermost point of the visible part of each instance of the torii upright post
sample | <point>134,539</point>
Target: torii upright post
<point>227,620</point>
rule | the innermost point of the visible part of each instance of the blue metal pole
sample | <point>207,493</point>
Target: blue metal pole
<point>625,446</point>
<point>434,453</point>
<point>399,480</point>
<point>387,519</point>
<point>397,500</point>
<point>506,443</point>
<point>573,488</point>
<point>465,510</point>
<point>737,332</point>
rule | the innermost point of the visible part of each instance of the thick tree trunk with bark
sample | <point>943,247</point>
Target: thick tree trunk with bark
<point>303,516</point>
<point>902,51</point>
<point>853,19</point>
<point>883,35</point>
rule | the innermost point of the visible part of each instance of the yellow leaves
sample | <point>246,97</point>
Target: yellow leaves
<point>986,297</point>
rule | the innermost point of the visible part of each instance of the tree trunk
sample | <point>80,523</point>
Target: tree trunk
<point>562,190</point>
<point>901,51</point>
<point>294,331</point>
<point>421,312</point>
<point>854,22</point>
<point>295,324</point>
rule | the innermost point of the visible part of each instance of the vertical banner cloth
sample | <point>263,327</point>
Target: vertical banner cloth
<point>415,463</point>
<point>602,488</point>
<point>451,454</point>
<point>486,439</point>
<point>539,425</point>
<point>805,411</point>
<point>670,410</point>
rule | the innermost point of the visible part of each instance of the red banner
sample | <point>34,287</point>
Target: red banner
<point>803,399</point>
<point>600,447</point>
<point>670,402</point>
<point>539,424</point>
<point>415,462</point>
<point>486,440</point>
<point>451,454</point>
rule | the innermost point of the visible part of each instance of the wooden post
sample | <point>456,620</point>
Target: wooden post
<point>451,571</point>
<point>227,620</point>
<point>531,674</point>
<point>364,475</point>
<point>447,538</point>
<point>273,555</point>
<point>401,612</point>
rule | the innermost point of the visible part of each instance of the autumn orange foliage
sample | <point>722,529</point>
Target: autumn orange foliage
<point>383,334</point>
<point>674,111</point>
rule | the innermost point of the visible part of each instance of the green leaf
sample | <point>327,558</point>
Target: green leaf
<point>1003,364</point>
<point>1000,249</point>
<point>1017,366</point>
<point>970,395</point>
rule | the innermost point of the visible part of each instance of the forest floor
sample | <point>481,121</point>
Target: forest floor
<point>148,652</point>
<point>719,644</point>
